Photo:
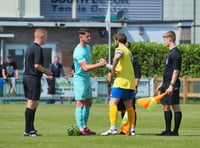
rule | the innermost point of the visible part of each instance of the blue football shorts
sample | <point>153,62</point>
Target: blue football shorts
<point>125,94</point>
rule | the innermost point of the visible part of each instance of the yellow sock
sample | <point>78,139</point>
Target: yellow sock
<point>113,114</point>
<point>131,116</point>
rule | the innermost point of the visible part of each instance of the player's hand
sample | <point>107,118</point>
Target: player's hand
<point>136,91</point>
<point>169,89</point>
<point>109,78</point>
<point>67,77</point>
<point>113,73</point>
<point>51,77</point>
<point>158,89</point>
<point>48,72</point>
<point>102,62</point>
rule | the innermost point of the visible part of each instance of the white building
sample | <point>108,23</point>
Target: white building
<point>141,20</point>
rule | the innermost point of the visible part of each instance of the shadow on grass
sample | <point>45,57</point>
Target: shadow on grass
<point>156,134</point>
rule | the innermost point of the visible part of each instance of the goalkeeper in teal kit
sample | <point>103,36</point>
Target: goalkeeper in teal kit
<point>82,86</point>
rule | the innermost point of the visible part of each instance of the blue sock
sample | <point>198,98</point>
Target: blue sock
<point>79,117</point>
<point>86,112</point>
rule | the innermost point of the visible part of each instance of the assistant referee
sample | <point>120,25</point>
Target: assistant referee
<point>34,60</point>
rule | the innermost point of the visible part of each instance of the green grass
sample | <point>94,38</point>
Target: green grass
<point>53,120</point>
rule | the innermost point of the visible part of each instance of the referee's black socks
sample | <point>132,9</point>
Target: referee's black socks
<point>29,118</point>
<point>177,120</point>
<point>168,120</point>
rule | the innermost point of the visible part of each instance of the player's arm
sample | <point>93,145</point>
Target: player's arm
<point>89,67</point>
<point>173,81</point>
<point>159,87</point>
<point>116,58</point>
<point>16,73</point>
<point>37,57</point>
<point>16,70</point>
<point>137,81</point>
<point>4,73</point>
<point>174,76</point>
<point>137,72</point>
<point>42,69</point>
<point>176,65</point>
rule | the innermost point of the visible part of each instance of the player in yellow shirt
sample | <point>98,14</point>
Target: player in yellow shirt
<point>123,86</point>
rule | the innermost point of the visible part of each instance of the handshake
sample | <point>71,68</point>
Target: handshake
<point>103,62</point>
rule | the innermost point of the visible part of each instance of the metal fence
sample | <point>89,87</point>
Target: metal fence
<point>64,90</point>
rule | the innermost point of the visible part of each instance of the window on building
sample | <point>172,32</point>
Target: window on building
<point>185,35</point>
<point>17,52</point>
<point>49,51</point>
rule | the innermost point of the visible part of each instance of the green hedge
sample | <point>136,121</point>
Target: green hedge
<point>151,57</point>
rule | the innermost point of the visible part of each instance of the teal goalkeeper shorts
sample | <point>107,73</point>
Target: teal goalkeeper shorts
<point>82,90</point>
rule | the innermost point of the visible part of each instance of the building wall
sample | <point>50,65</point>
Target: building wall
<point>9,9</point>
<point>32,8</point>
<point>20,8</point>
<point>178,10</point>
<point>184,10</point>
<point>197,23</point>
<point>96,9</point>
<point>65,40</point>
<point>152,32</point>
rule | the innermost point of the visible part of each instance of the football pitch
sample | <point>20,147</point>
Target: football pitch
<point>52,122</point>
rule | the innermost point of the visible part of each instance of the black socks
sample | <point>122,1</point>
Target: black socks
<point>177,121</point>
<point>29,119</point>
<point>168,119</point>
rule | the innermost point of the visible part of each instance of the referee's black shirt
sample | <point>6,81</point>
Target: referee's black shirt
<point>173,62</point>
<point>137,69</point>
<point>34,55</point>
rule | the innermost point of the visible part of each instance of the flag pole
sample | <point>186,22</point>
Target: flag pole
<point>109,44</point>
<point>108,28</point>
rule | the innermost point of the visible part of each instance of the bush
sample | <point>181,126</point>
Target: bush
<point>151,57</point>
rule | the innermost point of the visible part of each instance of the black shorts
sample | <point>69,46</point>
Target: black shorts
<point>32,87</point>
<point>121,106</point>
<point>174,97</point>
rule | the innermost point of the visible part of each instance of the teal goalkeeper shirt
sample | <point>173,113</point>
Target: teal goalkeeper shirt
<point>81,54</point>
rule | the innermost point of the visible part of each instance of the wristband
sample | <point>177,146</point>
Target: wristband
<point>109,66</point>
<point>172,84</point>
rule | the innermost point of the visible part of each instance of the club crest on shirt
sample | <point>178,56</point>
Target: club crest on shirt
<point>167,60</point>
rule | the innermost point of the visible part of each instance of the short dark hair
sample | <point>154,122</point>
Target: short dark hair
<point>83,31</point>
<point>121,37</point>
<point>170,34</point>
<point>9,56</point>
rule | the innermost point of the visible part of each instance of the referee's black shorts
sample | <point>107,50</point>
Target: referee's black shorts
<point>32,87</point>
<point>174,97</point>
<point>121,106</point>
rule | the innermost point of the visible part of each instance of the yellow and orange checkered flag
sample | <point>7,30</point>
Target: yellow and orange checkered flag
<point>125,124</point>
<point>149,103</point>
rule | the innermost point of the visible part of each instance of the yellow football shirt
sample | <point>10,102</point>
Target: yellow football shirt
<point>124,77</point>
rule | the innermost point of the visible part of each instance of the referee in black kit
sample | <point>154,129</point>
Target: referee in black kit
<point>32,79</point>
<point>171,85</point>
